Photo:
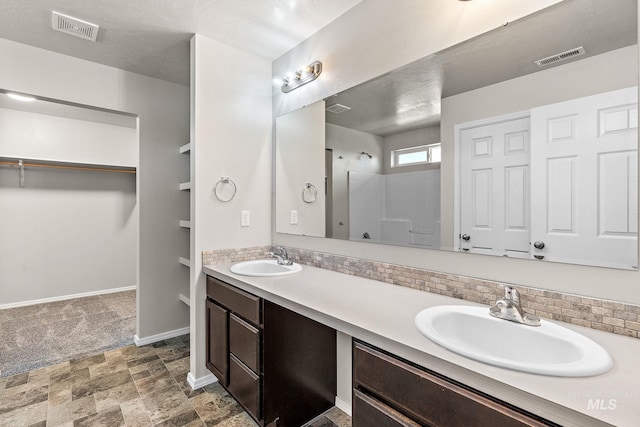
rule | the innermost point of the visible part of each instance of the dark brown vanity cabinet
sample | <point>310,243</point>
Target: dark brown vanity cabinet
<point>390,392</point>
<point>279,365</point>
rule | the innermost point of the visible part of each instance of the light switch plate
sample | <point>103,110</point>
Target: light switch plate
<point>294,217</point>
<point>245,220</point>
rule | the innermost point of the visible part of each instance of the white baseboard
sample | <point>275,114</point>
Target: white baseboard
<point>202,381</point>
<point>66,297</point>
<point>344,406</point>
<point>159,337</point>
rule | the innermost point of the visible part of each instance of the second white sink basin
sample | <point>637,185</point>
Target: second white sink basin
<point>548,349</point>
<point>264,268</point>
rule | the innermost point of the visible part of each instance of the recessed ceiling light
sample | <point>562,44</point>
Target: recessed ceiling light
<point>23,98</point>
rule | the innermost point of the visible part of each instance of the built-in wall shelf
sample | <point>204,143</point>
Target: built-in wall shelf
<point>185,299</point>
<point>185,223</point>
<point>57,164</point>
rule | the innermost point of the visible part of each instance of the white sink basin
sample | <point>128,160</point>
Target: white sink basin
<point>264,268</point>
<point>548,349</point>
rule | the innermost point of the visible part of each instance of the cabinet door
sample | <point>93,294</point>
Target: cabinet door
<point>218,342</point>
<point>299,367</point>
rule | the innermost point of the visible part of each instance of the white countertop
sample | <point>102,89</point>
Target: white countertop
<point>383,315</point>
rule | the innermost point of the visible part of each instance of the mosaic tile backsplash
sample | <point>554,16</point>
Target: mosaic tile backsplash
<point>608,316</point>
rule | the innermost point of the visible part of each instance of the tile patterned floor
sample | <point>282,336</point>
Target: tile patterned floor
<point>131,386</point>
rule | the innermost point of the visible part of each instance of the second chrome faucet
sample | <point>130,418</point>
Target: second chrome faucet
<point>281,255</point>
<point>509,308</point>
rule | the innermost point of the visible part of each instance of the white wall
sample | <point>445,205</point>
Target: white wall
<point>231,136</point>
<point>347,145</point>
<point>163,113</point>
<point>42,136</point>
<point>404,32</point>
<point>300,135</point>
<point>66,233</point>
<point>412,138</point>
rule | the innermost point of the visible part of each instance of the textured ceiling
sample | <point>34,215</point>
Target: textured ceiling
<point>151,37</point>
<point>409,97</point>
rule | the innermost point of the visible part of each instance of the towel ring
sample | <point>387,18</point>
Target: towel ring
<point>309,193</point>
<point>225,189</point>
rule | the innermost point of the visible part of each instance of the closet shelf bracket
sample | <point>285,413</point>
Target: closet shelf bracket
<point>21,172</point>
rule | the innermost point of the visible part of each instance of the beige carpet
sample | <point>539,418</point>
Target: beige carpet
<point>44,334</point>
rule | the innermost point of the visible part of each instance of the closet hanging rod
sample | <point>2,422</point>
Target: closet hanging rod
<point>66,166</point>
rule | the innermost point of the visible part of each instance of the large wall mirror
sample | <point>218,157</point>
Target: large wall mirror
<point>522,142</point>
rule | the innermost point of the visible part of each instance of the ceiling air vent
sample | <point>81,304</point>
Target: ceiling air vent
<point>337,108</point>
<point>74,26</point>
<point>578,51</point>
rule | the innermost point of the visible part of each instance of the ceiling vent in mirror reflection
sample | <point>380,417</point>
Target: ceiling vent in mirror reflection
<point>559,57</point>
<point>74,26</point>
<point>337,108</point>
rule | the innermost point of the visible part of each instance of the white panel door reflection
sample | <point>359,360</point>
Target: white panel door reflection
<point>494,191</point>
<point>584,170</point>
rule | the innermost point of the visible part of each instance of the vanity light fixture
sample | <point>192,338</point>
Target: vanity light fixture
<point>364,155</point>
<point>301,77</point>
<point>20,97</point>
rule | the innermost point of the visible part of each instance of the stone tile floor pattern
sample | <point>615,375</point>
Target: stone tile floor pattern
<point>130,386</point>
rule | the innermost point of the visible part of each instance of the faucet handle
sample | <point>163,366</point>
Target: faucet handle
<point>508,291</point>
<point>511,294</point>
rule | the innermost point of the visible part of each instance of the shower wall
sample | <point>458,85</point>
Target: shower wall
<point>400,209</point>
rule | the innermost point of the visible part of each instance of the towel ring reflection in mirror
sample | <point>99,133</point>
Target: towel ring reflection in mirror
<point>309,193</point>
<point>225,189</point>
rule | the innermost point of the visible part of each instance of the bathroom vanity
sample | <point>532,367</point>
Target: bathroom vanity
<point>401,378</point>
<point>279,365</point>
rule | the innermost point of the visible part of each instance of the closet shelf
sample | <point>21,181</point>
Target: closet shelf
<point>185,186</point>
<point>185,148</point>
<point>184,261</point>
<point>56,164</point>
<point>185,224</point>
<point>185,299</point>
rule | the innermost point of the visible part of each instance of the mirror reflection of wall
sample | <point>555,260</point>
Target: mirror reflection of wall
<point>300,153</point>
<point>493,78</point>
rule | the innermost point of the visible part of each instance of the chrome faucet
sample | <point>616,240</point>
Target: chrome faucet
<point>280,254</point>
<point>509,308</point>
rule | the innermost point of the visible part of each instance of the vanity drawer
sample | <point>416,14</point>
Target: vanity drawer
<point>244,385</point>
<point>236,300</point>
<point>427,398</point>
<point>244,342</point>
<point>368,411</point>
